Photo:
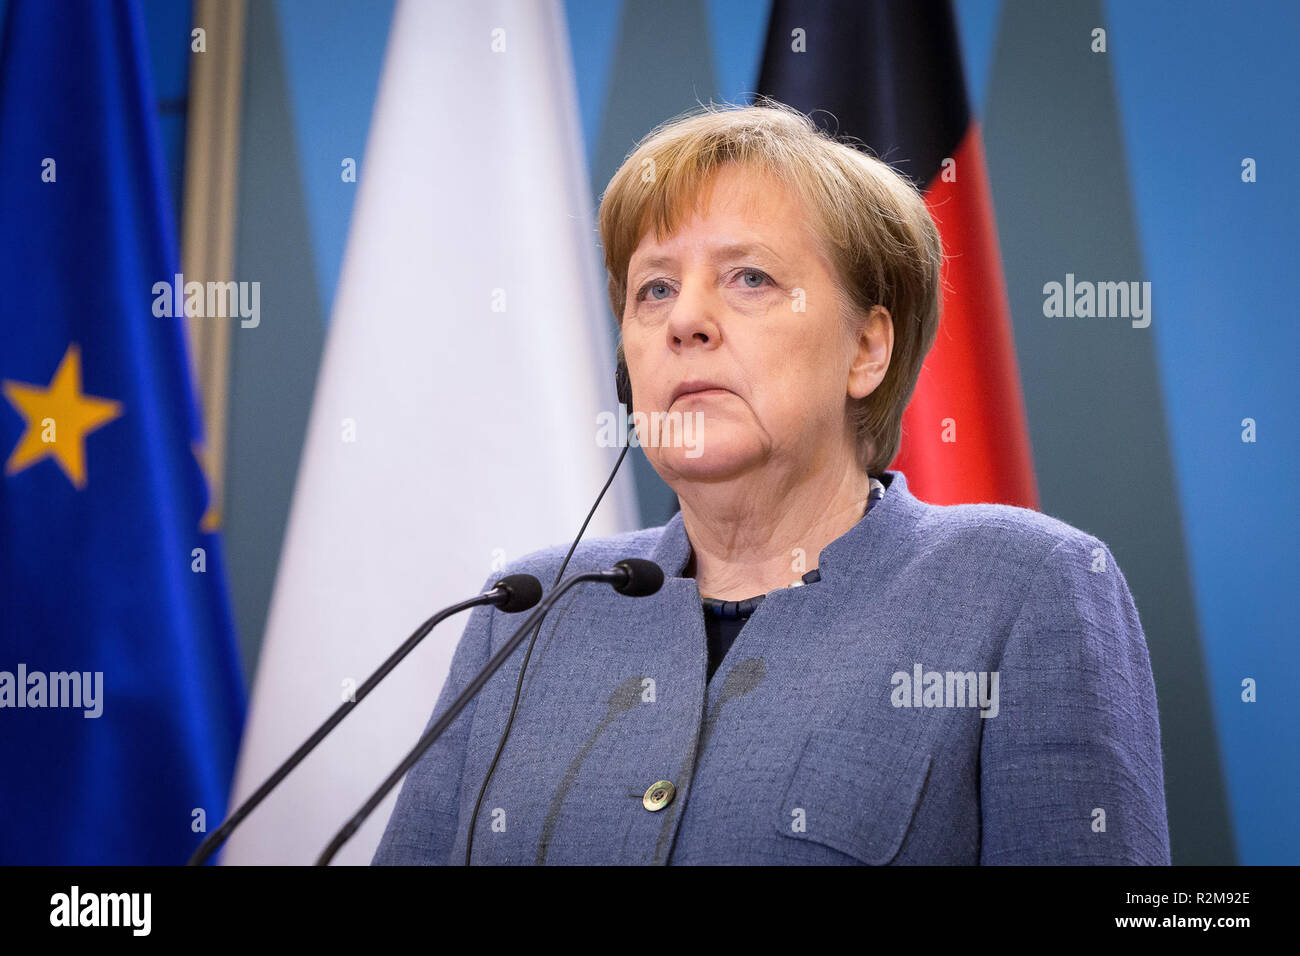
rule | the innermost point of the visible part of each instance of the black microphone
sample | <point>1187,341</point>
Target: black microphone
<point>634,577</point>
<point>513,593</point>
<point>521,592</point>
<point>641,578</point>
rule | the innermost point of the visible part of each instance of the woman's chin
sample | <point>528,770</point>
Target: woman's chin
<point>712,461</point>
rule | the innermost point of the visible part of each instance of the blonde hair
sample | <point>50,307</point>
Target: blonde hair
<point>874,225</point>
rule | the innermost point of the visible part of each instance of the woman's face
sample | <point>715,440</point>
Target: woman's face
<point>741,298</point>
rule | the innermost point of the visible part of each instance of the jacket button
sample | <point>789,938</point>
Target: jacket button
<point>659,795</point>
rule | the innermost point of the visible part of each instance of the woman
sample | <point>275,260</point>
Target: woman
<point>833,671</point>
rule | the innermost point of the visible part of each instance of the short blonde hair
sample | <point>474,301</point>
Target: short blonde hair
<point>874,225</point>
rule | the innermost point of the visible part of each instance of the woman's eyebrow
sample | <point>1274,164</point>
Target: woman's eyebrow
<point>651,262</point>
<point>743,250</point>
<point>730,251</point>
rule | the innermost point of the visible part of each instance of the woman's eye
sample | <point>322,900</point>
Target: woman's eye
<point>749,278</point>
<point>654,290</point>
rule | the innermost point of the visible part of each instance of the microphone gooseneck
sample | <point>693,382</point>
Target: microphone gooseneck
<point>513,593</point>
<point>624,576</point>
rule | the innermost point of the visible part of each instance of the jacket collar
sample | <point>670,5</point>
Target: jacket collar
<point>880,531</point>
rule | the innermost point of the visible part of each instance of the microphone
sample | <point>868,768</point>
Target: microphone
<point>515,593</point>
<point>633,577</point>
<point>640,578</point>
<point>512,594</point>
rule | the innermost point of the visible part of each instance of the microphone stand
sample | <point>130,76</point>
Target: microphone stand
<point>218,836</point>
<point>617,577</point>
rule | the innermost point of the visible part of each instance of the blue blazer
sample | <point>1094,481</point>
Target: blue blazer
<point>965,684</point>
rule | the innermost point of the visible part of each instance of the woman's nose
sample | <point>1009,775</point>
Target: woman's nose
<point>694,318</point>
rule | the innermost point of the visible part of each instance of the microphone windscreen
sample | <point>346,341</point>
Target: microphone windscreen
<point>523,592</point>
<point>643,577</point>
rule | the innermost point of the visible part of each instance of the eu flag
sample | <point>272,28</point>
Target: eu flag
<point>121,698</point>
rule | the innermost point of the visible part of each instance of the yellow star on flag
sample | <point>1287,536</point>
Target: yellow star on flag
<point>58,419</point>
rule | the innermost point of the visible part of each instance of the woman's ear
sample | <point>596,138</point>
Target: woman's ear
<point>874,349</point>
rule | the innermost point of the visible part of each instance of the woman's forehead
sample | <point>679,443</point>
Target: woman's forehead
<point>736,211</point>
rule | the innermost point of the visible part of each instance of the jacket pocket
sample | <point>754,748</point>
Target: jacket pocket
<point>853,793</point>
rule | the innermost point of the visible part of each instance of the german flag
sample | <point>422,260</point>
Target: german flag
<point>890,74</point>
